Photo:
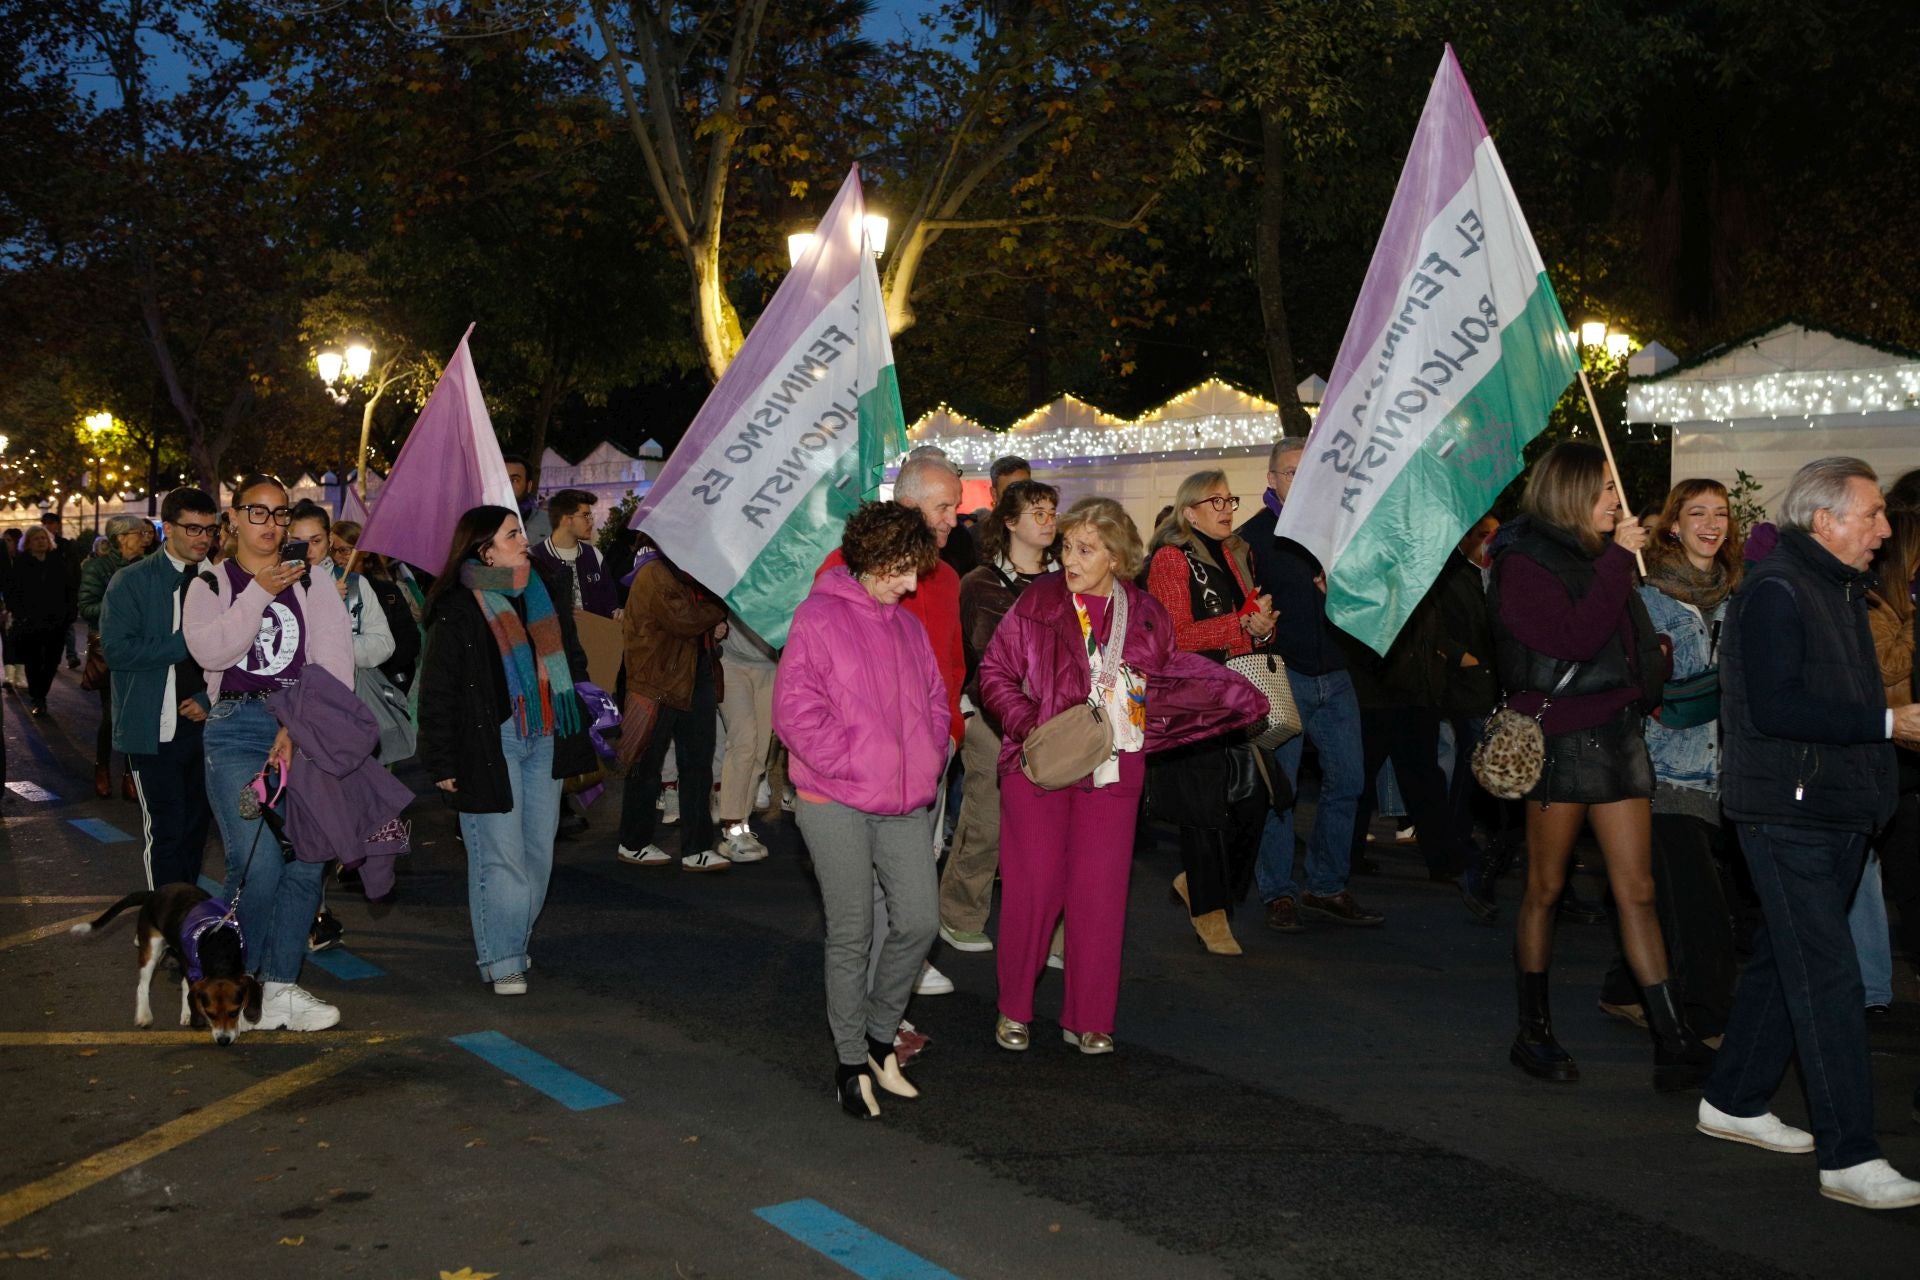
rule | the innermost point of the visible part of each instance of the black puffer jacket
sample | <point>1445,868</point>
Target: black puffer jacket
<point>463,703</point>
<point>1809,670</point>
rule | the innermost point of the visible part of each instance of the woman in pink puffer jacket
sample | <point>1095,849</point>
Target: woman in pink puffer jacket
<point>861,705</point>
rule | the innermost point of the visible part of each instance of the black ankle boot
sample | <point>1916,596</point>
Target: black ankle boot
<point>1535,1051</point>
<point>1680,1061</point>
<point>853,1086</point>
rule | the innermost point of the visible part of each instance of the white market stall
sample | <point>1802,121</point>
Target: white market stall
<point>1139,463</point>
<point>606,472</point>
<point>1774,400</point>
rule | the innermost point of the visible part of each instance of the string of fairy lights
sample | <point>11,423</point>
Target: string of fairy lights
<point>1164,430</point>
<point>1805,395</point>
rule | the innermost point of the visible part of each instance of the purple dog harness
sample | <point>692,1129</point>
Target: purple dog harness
<point>211,914</point>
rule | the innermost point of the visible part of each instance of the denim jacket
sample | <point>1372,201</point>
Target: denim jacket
<point>1684,757</point>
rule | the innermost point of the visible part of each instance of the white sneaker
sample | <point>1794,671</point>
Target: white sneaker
<point>763,797</point>
<point>291,1007</point>
<point>788,798</point>
<point>651,856</point>
<point>1056,961</point>
<point>1873,1185</point>
<point>741,845</point>
<point>1768,1132</point>
<point>514,984</point>
<point>669,804</point>
<point>705,860</point>
<point>932,982</point>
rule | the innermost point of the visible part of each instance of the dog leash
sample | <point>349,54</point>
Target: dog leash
<point>254,790</point>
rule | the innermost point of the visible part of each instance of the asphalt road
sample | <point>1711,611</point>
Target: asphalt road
<point>1336,1103</point>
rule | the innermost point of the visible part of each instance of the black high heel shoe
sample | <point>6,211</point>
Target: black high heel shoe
<point>853,1086</point>
<point>884,1065</point>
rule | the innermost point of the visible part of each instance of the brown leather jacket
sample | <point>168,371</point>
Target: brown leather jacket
<point>667,623</point>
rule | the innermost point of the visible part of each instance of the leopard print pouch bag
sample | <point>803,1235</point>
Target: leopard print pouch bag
<point>1513,748</point>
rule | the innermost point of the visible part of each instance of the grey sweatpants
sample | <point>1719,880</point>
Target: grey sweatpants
<point>853,852</point>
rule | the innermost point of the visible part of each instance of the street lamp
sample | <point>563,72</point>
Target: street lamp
<point>339,370</point>
<point>875,225</point>
<point>96,423</point>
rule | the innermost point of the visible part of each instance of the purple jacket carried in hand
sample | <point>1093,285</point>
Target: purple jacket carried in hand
<point>860,701</point>
<point>1036,667</point>
<point>338,797</point>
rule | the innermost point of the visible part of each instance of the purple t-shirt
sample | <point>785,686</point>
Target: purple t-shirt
<point>280,649</point>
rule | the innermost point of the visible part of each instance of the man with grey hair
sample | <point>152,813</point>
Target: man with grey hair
<point>1809,776</point>
<point>1329,715</point>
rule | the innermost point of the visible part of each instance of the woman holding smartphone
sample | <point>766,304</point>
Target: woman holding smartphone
<point>254,628</point>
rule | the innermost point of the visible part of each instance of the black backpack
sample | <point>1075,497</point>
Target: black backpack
<point>405,662</point>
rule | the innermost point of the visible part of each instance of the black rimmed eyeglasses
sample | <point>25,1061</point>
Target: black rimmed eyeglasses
<point>260,513</point>
<point>1219,502</point>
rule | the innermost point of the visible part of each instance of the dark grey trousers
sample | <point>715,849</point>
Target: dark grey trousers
<point>853,853</point>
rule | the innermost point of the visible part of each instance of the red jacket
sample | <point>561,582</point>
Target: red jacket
<point>1036,667</point>
<point>936,602</point>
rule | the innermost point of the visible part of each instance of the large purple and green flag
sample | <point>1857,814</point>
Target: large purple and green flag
<point>1453,359</point>
<point>796,434</point>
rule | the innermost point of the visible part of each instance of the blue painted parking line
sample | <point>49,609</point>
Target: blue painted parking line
<point>345,965</point>
<point>574,1092</point>
<point>101,830</point>
<point>213,887</point>
<point>870,1256</point>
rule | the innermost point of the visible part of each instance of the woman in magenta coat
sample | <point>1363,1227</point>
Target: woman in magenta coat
<point>862,707</point>
<point>1087,633</point>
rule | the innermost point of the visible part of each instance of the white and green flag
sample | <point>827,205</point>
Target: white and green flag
<point>797,433</point>
<point>1453,359</point>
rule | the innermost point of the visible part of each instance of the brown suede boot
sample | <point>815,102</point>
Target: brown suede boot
<point>1216,934</point>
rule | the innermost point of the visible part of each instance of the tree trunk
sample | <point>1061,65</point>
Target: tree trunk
<point>559,374</point>
<point>1273,309</point>
<point>716,324</point>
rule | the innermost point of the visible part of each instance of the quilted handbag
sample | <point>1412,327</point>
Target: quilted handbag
<point>1268,674</point>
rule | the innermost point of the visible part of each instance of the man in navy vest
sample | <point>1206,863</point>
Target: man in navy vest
<point>1809,775</point>
<point>159,692</point>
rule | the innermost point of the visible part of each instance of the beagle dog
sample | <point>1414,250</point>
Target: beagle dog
<point>203,937</point>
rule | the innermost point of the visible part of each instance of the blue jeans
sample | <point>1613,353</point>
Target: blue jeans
<point>510,856</point>
<point>1330,715</point>
<point>1801,992</point>
<point>1867,921</point>
<point>278,899</point>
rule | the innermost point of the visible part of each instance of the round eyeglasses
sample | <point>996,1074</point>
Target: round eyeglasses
<point>1220,502</point>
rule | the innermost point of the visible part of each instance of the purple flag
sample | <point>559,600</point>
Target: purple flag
<point>450,463</point>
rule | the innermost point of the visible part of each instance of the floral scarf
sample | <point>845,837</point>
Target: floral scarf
<point>539,685</point>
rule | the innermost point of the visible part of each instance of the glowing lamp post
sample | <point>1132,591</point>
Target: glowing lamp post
<point>874,224</point>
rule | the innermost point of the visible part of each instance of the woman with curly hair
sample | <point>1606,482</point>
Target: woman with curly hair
<point>861,705</point>
<point>1087,634</point>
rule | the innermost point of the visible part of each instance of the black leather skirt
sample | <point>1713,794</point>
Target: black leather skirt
<point>1599,765</point>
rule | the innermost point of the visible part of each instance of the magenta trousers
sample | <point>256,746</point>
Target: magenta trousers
<point>1066,852</point>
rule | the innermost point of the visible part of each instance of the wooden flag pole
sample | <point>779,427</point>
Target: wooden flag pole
<point>1606,446</point>
<point>354,559</point>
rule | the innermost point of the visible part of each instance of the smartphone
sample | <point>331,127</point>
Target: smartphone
<point>295,551</point>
